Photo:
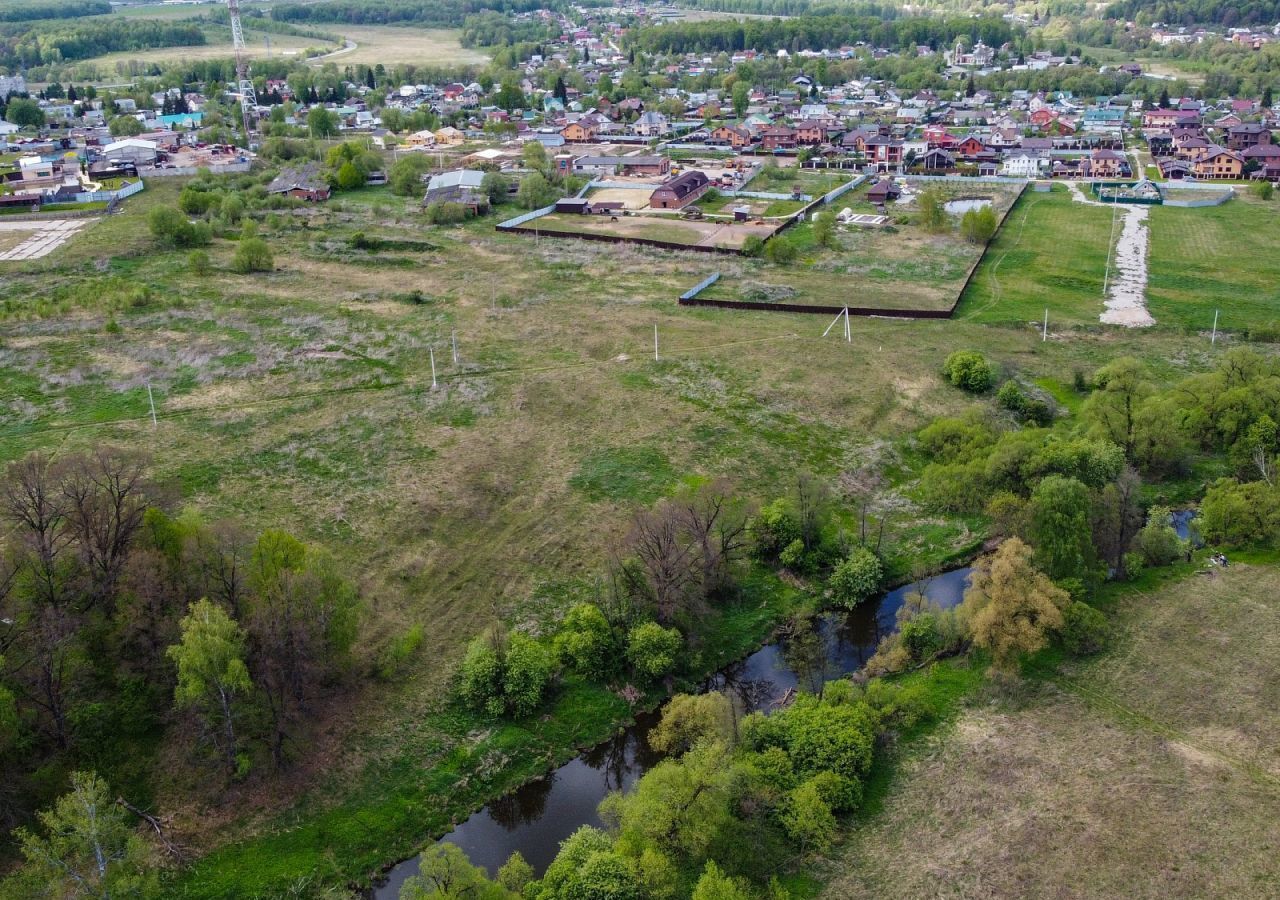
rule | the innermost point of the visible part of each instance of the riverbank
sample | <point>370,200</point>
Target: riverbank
<point>402,804</point>
<point>1148,770</point>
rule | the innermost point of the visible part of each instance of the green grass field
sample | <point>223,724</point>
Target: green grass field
<point>302,399</point>
<point>1151,771</point>
<point>1053,253</point>
<point>1217,258</point>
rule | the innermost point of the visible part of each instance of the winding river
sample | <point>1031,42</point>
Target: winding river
<point>538,816</point>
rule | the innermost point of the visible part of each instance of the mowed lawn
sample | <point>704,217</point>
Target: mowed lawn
<point>1051,253</point>
<point>1218,258</point>
<point>1150,772</point>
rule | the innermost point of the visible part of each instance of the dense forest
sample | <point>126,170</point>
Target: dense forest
<point>26,10</point>
<point>813,32</point>
<point>51,42</point>
<point>1227,13</point>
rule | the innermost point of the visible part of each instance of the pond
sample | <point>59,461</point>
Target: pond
<point>538,816</point>
<point>967,204</point>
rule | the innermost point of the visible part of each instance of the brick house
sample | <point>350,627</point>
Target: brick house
<point>734,135</point>
<point>1218,162</point>
<point>1242,137</point>
<point>580,132</point>
<point>778,137</point>
<point>680,191</point>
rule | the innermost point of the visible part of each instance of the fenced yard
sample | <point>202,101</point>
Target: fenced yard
<point>692,234</point>
<point>899,267</point>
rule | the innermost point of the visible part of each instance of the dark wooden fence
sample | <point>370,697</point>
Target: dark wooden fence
<point>690,298</point>
<point>615,239</point>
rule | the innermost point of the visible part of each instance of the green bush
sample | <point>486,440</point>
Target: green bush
<point>921,636</point>
<point>1241,514</point>
<point>405,176</point>
<point>780,250</point>
<point>752,245</point>
<point>526,674</point>
<point>447,213</point>
<point>480,678</point>
<point>970,371</point>
<point>350,177</point>
<point>652,650</point>
<point>252,255</point>
<point>1084,630</point>
<point>171,227</point>
<point>198,262</point>
<point>856,578</point>
<point>773,530</point>
<point>396,655</point>
<point>1158,543</point>
<point>585,642</point>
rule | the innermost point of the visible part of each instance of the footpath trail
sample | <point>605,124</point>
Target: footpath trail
<point>1126,299</point>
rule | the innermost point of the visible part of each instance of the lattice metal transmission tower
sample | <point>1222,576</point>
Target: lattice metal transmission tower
<point>248,97</point>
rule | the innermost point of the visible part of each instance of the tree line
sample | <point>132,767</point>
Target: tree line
<point>1227,13</point>
<point>432,13</point>
<point>26,10</point>
<point>123,624</point>
<point>44,43</point>
<point>813,32</point>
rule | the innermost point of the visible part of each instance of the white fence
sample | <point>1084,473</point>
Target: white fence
<point>107,196</point>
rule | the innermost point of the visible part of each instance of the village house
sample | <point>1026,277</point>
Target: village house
<point>303,183</point>
<point>1242,137</point>
<point>1218,162</point>
<point>652,124</point>
<point>622,165</point>
<point>448,136</point>
<point>680,191</point>
<point>733,135</point>
<point>1106,164</point>
<point>811,131</point>
<point>1170,118</point>
<point>463,186</point>
<point>581,132</point>
<point>1264,159</point>
<point>778,137</point>
<point>883,192</point>
<point>936,160</point>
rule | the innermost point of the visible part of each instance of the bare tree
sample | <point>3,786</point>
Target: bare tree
<point>106,493</point>
<point>717,529</point>
<point>33,501</point>
<point>668,561</point>
<point>217,559</point>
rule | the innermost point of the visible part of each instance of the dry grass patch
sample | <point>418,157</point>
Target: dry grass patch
<point>1148,773</point>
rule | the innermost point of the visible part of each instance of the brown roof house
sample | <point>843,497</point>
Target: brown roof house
<point>884,191</point>
<point>680,191</point>
<point>304,182</point>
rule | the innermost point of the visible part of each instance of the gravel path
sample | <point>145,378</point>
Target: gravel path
<point>1126,300</point>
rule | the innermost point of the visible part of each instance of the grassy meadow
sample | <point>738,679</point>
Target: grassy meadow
<point>1150,771</point>
<point>1053,253</point>
<point>303,399</point>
